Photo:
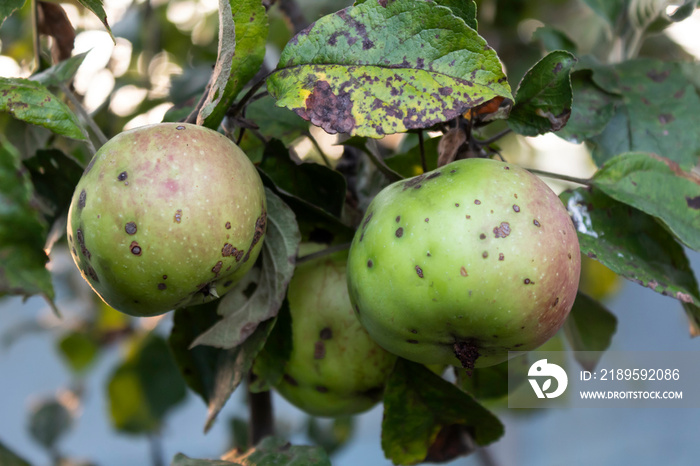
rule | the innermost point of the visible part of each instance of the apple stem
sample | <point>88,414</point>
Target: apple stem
<point>467,352</point>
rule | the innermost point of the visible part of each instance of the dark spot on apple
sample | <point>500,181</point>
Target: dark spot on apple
<point>419,271</point>
<point>178,216</point>
<point>229,250</point>
<point>463,272</point>
<point>527,281</point>
<point>398,218</point>
<point>468,217</point>
<point>326,333</point>
<point>506,167</point>
<point>518,345</point>
<point>260,225</point>
<point>453,171</point>
<point>427,219</point>
<point>516,208</point>
<point>228,225</point>
<point>502,230</point>
<point>434,175</point>
<point>516,196</point>
<point>122,176</point>
<point>482,236</point>
<point>556,301</point>
<point>588,254</point>
<point>319,350</point>
<point>290,380</point>
<point>536,223</point>
<point>485,254</point>
<point>161,286</point>
<point>370,263</point>
<point>467,352</point>
<point>165,277</point>
<point>180,128</point>
<point>321,389</point>
<point>456,204</point>
<point>477,201</point>
<point>91,272</point>
<point>130,228</point>
<point>82,198</point>
<point>501,256</point>
<point>357,309</point>
<point>135,248</point>
<point>413,342</point>
<point>413,330</point>
<point>367,219</point>
<point>217,268</point>
<point>228,283</point>
<point>399,232</point>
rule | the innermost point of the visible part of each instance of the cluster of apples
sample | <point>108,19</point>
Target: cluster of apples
<point>458,266</point>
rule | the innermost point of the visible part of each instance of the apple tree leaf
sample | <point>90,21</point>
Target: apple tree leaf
<point>589,328</point>
<point>421,410</point>
<point>273,451</point>
<point>9,458</point>
<point>50,420</point>
<point>657,111</point>
<point>22,230</point>
<point>465,9</point>
<point>634,246</point>
<point>61,72</point>
<point>543,99</point>
<point>243,31</point>
<point>658,186</point>
<point>96,7</point>
<point>31,102</point>
<point>259,295</point>
<point>384,67</point>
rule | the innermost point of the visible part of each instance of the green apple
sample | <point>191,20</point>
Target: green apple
<point>165,216</point>
<point>335,368</point>
<point>464,264</point>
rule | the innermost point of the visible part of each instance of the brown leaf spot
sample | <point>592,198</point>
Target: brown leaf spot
<point>693,202</point>
<point>331,112</point>
<point>666,118</point>
<point>658,77</point>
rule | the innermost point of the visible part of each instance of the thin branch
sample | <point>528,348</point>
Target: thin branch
<point>380,164</point>
<point>324,252</point>
<point>559,176</point>
<point>262,423</point>
<point>236,109</point>
<point>493,138</point>
<point>155,443</point>
<point>421,145</point>
<point>318,148</point>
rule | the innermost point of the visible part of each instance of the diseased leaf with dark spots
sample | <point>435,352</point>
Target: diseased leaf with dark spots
<point>386,67</point>
<point>658,186</point>
<point>30,101</point>
<point>259,294</point>
<point>657,111</point>
<point>634,246</point>
<point>544,96</point>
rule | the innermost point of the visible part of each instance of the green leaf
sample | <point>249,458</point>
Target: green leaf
<point>22,231</point>
<point>634,245</point>
<point>78,350</point>
<point>7,7</point>
<point>9,458</point>
<point>489,383</point>
<point>592,109</point>
<point>269,365</point>
<point>96,7</point>
<point>657,186</point>
<point>465,9</point>
<point>419,406</point>
<point>543,99</point>
<point>61,72</point>
<point>143,388</point>
<point>243,310</point>
<point>30,101</point>
<point>49,421</point>
<point>275,451</point>
<point>312,182</point>
<point>589,328</point>
<point>657,112</point>
<point>609,10</point>
<point>684,11</point>
<point>386,67</point>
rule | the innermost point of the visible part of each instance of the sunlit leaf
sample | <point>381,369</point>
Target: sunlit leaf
<point>543,99</point>
<point>30,101</point>
<point>386,67</point>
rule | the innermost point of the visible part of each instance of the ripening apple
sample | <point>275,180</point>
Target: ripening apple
<point>463,264</point>
<point>165,216</point>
